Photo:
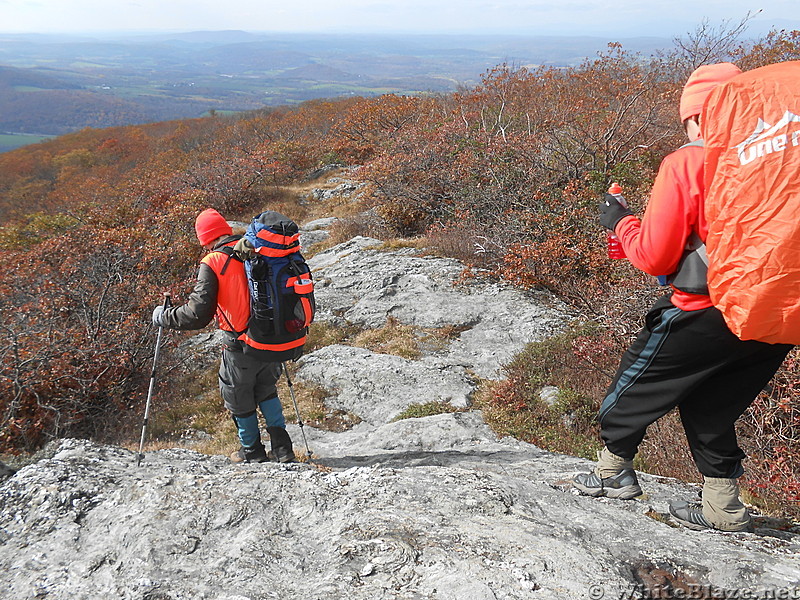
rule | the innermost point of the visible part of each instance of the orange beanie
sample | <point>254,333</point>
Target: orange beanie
<point>210,225</point>
<point>699,86</point>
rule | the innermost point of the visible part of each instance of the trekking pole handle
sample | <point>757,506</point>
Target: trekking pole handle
<point>167,300</point>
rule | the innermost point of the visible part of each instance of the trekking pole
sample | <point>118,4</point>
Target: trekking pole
<point>296,409</point>
<point>140,455</point>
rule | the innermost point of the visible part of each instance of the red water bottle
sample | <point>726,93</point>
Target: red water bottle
<point>615,249</point>
<point>294,325</point>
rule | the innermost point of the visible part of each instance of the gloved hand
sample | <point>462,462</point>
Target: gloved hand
<point>244,250</point>
<point>158,314</point>
<point>612,212</point>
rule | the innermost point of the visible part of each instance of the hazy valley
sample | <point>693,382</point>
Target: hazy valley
<point>51,85</point>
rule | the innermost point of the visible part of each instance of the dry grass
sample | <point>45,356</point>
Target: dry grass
<point>393,244</point>
<point>405,341</point>
<point>393,338</point>
<point>348,227</point>
<point>193,405</point>
<point>428,409</point>
<point>352,214</point>
<point>340,206</point>
<point>434,339</point>
<point>311,405</point>
<point>199,409</point>
<point>322,333</point>
<point>282,200</point>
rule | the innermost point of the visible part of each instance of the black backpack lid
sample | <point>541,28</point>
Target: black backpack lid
<point>277,222</point>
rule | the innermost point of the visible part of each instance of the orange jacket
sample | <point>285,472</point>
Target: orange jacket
<point>233,300</point>
<point>215,293</point>
<point>675,210</point>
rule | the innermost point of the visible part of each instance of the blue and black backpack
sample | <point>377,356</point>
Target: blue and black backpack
<point>281,290</point>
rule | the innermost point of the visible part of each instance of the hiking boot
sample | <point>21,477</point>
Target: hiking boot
<point>623,486</point>
<point>256,454</point>
<point>282,454</point>
<point>281,445</point>
<point>721,508</point>
<point>689,514</point>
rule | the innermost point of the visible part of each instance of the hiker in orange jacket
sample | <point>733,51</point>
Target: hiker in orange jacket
<point>685,356</point>
<point>246,384</point>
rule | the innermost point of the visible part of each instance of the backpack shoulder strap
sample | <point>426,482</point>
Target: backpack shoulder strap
<point>227,251</point>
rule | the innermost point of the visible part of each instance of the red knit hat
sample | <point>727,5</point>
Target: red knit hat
<point>699,86</point>
<point>210,225</point>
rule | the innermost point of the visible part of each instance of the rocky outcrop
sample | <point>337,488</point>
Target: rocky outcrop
<point>315,231</point>
<point>5,471</point>
<point>345,188</point>
<point>426,508</point>
<point>359,283</point>
<point>377,387</point>
<point>421,508</point>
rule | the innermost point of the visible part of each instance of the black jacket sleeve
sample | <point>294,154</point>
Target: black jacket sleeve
<point>201,307</point>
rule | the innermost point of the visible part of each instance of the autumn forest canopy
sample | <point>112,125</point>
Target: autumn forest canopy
<point>505,176</point>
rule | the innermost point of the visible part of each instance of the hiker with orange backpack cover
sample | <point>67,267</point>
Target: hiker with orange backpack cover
<point>685,356</point>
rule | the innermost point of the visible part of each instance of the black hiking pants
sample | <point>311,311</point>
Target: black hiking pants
<point>691,360</point>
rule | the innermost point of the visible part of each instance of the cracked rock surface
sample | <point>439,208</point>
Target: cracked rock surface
<point>422,508</point>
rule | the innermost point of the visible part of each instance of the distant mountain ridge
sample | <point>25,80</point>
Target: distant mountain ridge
<point>76,82</point>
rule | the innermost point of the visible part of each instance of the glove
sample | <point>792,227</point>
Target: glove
<point>244,250</point>
<point>612,212</point>
<point>158,314</point>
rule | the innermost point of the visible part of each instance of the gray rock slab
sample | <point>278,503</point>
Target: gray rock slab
<point>377,387</point>
<point>346,188</point>
<point>364,285</point>
<point>88,523</point>
<point>309,238</point>
<point>333,255</point>
<point>318,224</point>
<point>460,439</point>
<point>509,320</point>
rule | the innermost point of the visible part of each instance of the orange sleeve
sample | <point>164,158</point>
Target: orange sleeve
<point>656,243</point>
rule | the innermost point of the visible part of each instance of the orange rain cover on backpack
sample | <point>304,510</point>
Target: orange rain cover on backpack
<point>751,127</point>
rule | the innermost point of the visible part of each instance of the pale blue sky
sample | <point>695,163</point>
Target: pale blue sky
<point>622,18</point>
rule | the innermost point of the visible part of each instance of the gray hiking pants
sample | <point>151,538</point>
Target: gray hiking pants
<point>244,382</point>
